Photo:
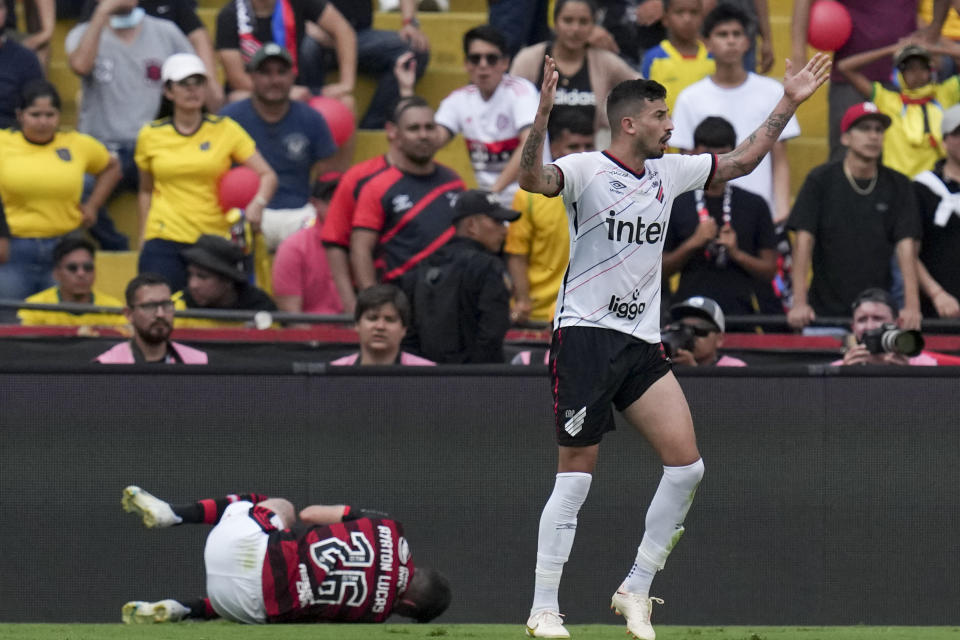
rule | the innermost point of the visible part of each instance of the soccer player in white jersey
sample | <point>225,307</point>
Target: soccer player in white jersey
<point>606,338</point>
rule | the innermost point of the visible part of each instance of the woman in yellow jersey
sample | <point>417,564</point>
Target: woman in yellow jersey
<point>41,180</point>
<point>181,157</point>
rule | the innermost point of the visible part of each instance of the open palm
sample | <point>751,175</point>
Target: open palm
<point>801,85</point>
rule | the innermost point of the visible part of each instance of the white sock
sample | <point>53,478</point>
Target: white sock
<point>558,526</point>
<point>664,524</point>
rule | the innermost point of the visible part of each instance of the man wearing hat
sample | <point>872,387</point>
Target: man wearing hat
<point>703,318</point>
<point>938,198</point>
<point>914,142</point>
<point>216,280</point>
<point>293,138</point>
<point>851,216</point>
<point>461,293</point>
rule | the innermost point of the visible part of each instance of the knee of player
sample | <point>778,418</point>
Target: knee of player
<point>689,474</point>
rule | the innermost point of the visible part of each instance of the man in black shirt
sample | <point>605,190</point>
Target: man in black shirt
<point>851,216</point>
<point>461,293</point>
<point>939,203</point>
<point>721,239</point>
<point>243,26</point>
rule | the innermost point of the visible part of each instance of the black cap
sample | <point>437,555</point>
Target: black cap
<point>267,51</point>
<point>911,51</point>
<point>476,201</point>
<point>218,255</point>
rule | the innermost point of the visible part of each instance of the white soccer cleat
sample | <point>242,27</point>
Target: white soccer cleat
<point>546,624</point>
<point>140,612</point>
<point>635,609</point>
<point>155,512</point>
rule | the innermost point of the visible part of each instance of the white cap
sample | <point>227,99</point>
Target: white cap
<point>180,66</point>
<point>700,306</point>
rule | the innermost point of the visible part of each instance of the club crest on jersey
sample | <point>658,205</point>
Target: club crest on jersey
<point>626,309</point>
<point>630,232</point>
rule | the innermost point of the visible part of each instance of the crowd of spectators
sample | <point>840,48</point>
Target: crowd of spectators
<point>154,120</point>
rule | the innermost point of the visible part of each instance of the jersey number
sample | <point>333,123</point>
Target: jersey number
<point>341,583</point>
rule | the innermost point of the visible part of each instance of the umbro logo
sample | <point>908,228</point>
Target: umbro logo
<point>574,423</point>
<point>616,184</point>
<point>402,203</point>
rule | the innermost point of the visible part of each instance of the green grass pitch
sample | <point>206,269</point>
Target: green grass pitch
<point>227,631</point>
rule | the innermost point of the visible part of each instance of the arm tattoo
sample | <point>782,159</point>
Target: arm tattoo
<point>775,124</point>
<point>530,155</point>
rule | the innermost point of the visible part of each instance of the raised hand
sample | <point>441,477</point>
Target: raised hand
<point>801,85</point>
<point>548,90</point>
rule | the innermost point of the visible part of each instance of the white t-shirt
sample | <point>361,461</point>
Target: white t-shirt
<point>746,107</point>
<point>491,127</point>
<point>618,222</point>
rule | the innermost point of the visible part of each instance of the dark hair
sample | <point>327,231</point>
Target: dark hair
<point>379,295</point>
<point>145,279</point>
<point>625,96</point>
<point>410,102</point>
<point>70,243</point>
<point>323,187</point>
<point>725,13</point>
<point>560,4</point>
<point>874,294</point>
<point>428,595</point>
<point>486,33</point>
<point>715,132</point>
<point>39,89</point>
<point>166,104</point>
<point>572,120</point>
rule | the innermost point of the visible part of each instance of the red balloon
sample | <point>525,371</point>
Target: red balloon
<point>338,116</point>
<point>830,25</point>
<point>237,187</point>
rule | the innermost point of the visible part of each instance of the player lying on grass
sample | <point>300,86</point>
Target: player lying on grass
<point>335,564</point>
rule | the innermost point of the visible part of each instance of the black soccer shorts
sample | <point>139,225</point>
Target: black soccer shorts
<point>590,368</point>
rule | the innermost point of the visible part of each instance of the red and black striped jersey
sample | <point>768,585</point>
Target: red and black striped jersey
<point>339,221</point>
<point>412,213</point>
<point>346,572</point>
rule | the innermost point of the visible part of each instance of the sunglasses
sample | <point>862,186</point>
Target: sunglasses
<point>490,58</point>
<point>701,332</point>
<point>192,81</point>
<point>73,267</point>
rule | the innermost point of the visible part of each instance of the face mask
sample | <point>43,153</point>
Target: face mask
<point>128,20</point>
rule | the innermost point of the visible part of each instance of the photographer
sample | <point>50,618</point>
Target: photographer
<point>696,333</point>
<point>874,315</point>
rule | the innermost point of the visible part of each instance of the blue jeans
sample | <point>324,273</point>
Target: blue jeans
<point>29,270</point>
<point>163,257</point>
<point>377,52</point>
<point>104,231</point>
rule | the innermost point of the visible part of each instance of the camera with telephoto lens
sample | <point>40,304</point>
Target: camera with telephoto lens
<point>676,336</point>
<point>888,338</point>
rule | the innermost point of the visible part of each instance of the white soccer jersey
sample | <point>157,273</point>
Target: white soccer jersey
<point>618,222</point>
<point>491,127</point>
